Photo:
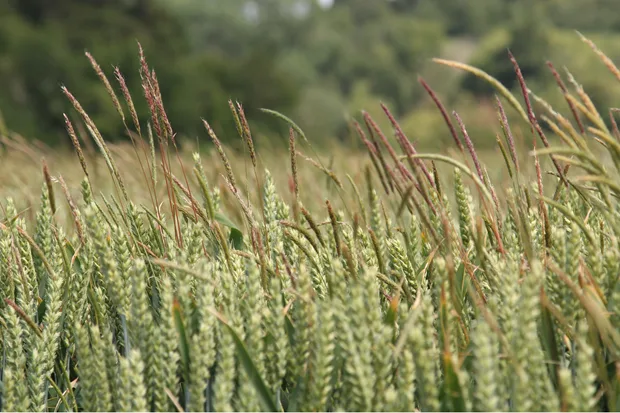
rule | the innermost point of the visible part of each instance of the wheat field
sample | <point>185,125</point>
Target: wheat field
<point>144,277</point>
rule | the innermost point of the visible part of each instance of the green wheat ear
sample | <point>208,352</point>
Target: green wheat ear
<point>131,387</point>
<point>8,269</point>
<point>584,370</point>
<point>463,200</point>
<point>15,390</point>
<point>425,346</point>
<point>203,345</point>
<point>165,345</point>
<point>43,236</point>
<point>400,262</point>
<point>94,383</point>
<point>254,336</point>
<point>487,370</point>
<point>278,348</point>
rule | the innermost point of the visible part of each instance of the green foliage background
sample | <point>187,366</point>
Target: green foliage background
<point>319,65</point>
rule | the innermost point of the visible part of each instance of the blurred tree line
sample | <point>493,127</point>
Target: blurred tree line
<point>319,62</point>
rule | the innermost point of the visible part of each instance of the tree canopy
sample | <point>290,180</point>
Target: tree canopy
<point>318,64</point>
